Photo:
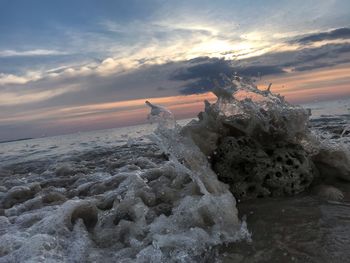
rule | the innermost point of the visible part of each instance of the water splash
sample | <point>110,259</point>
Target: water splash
<point>161,115</point>
<point>154,199</point>
<point>279,147</point>
<point>214,204</point>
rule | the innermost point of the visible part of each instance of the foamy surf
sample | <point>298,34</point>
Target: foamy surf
<point>156,198</point>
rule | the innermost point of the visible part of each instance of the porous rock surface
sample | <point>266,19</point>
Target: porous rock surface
<point>253,170</point>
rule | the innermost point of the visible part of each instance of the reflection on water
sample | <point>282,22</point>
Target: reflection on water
<point>296,229</point>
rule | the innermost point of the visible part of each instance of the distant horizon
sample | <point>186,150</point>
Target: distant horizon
<point>145,110</point>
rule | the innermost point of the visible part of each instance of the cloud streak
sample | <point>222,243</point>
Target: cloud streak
<point>30,53</point>
<point>340,33</point>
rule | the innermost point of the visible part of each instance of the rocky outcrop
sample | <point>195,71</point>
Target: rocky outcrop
<point>260,145</point>
<point>253,170</point>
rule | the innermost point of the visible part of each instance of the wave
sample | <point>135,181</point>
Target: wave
<point>170,196</point>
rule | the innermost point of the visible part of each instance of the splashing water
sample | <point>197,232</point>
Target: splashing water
<point>215,204</point>
<point>161,115</point>
<point>161,198</point>
<point>243,112</point>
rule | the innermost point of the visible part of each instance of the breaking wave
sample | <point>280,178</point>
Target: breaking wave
<point>170,196</point>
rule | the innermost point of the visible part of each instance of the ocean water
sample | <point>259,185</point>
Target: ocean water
<point>132,195</point>
<point>57,146</point>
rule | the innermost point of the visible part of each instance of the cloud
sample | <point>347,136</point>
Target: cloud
<point>210,67</point>
<point>13,98</point>
<point>114,79</point>
<point>340,33</point>
<point>30,53</point>
<point>206,72</point>
<point>304,58</point>
<point>10,79</point>
<point>59,57</point>
<point>152,71</point>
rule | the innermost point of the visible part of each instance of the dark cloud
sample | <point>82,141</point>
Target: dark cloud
<point>198,59</point>
<point>202,72</point>
<point>325,56</point>
<point>209,70</point>
<point>314,66</point>
<point>254,71</point>
<point>303,59</point>
<point>340,33</point>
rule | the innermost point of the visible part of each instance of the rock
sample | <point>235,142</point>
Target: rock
<point>253,170</point>
<point>254,140</point>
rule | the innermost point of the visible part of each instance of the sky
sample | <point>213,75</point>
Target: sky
<point>79,65</point>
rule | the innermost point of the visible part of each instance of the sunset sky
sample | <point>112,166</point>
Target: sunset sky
<point>78,65</point>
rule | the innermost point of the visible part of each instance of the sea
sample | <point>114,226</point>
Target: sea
<point>116,196</point>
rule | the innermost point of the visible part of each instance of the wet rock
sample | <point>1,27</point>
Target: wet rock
<point>253,170</point>
<point>253,140</point>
